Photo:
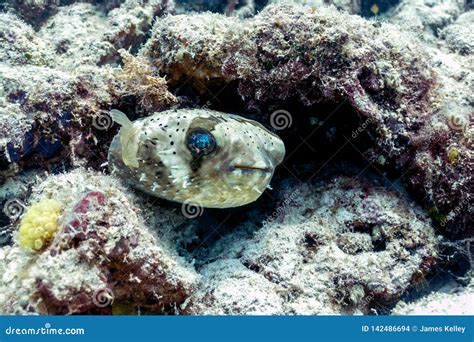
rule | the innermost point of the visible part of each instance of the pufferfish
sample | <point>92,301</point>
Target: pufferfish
<point>198,156</point>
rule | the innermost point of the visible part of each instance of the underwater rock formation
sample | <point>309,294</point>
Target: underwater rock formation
<point>20,45</point>
<point>229,288</point>
<point>14,191</point>
<point>102,258</point>
<point>37,11</point>
<point>337,247</point>
<point>349,6</point>
<point>48,114</point>
<point>271,54</point>
<point>319,55</point>
<point>459,35</point>
<point>457,301</point>
<point>426,17</point>
<point>54,102</point>
<point>140,79</point>
<point>239,8</point>
<point>103,33</point>
<point>33,11</point>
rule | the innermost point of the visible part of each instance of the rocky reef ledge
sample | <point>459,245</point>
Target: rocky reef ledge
<point>370,212</point>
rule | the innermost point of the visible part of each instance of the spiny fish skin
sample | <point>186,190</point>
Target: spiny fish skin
<point>198,156</point>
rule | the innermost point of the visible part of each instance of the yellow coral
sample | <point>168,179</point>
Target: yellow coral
<point>39,224</point>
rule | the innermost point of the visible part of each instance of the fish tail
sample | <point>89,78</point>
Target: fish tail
<point>128,138</point>
<point>120,118</point>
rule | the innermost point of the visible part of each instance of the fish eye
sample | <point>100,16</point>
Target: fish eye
<point>200,142</point>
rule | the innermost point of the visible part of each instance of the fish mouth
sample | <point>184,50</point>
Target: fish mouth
<point>249,168</point>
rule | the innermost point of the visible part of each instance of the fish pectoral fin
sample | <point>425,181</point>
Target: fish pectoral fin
<point>129,144</point>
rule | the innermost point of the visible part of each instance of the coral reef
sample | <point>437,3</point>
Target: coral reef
<point>458,36</point>
<point>19,44</point>
<point>457,301</point>
<point>49,114</point>
<point>349,6</point>
<point>238,8</point>
<point>339,246</point>
<point>365,8</point>
<point>103,33</point>
<point>229,288</point>
<point>101,255</point>
<point>33,11</point>
<point>426,17</point>
<point>140,79</point>
<point>14,192</point>
<point>129,12</point>
<point>319,55</point>
<point>326,238</point>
